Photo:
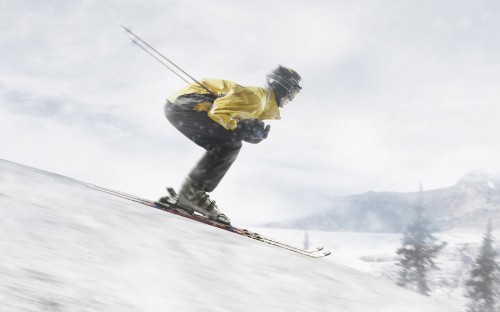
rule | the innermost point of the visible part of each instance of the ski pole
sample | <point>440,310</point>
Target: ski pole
<point>165,58</point>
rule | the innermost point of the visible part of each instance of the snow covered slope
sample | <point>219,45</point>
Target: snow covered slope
<point>66,247</point>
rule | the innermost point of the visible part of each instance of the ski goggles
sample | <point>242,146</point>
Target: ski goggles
<point>292,93</point>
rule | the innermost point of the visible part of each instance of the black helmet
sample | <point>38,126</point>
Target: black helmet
<point>285,82</point>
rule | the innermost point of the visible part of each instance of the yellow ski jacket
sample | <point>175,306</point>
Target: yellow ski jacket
<point>234,102</point>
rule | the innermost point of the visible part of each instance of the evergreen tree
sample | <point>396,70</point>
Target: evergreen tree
<point>419,248</point>
<point>482,287</point>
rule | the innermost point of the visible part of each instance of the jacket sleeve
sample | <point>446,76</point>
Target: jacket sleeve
<point>239,104</point>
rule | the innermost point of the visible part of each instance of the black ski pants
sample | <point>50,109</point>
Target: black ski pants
<point>222,146</point>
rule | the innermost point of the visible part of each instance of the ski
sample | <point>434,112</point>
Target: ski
<point>172,207</point>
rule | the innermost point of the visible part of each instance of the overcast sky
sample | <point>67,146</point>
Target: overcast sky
<point>396,93</point>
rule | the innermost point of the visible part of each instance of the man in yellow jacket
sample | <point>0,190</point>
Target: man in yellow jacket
<point>218,115</point>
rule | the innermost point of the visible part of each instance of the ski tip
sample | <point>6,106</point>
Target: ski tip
<point>327,253</point>
<point>126,29</point>
<point>320,248</point>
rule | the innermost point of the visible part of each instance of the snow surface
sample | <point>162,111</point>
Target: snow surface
<point>66,247</point>
<point>375,254</point>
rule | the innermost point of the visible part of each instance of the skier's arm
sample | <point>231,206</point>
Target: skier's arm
<point>235,106</point>
<point>223,118</point>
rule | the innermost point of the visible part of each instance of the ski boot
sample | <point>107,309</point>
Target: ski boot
<point>192,197</point>
<point>170,201</point>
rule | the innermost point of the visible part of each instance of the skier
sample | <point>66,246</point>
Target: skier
<point>218,115</point>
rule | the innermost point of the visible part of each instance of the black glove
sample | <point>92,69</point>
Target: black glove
<point>252,130</point>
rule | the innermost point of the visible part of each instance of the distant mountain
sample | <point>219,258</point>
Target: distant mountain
<point>471,202</point>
